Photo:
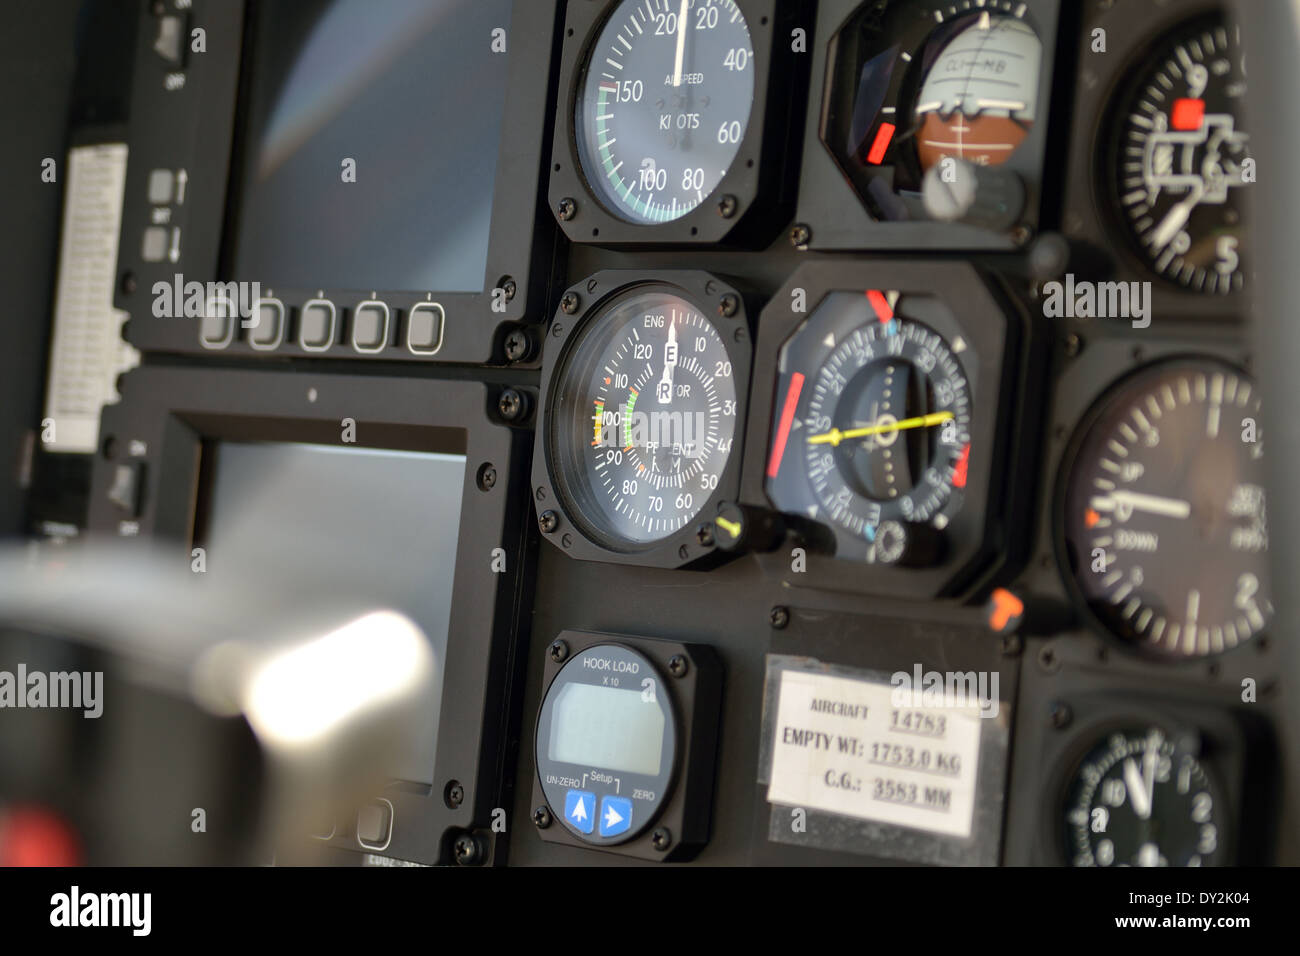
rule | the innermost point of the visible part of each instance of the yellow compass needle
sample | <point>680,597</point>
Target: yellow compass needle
<point>835,436</point>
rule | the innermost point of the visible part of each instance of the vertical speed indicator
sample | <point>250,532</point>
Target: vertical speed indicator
<point>663,105</point>
<point>1165,525</point>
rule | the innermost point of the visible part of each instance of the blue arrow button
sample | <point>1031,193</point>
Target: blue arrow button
<point>615,816</point>
<point>580,810</point>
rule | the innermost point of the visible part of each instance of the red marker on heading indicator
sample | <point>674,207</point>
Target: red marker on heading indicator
<point>880,305</point>
<point>960,468</point>
<point>783,430</point>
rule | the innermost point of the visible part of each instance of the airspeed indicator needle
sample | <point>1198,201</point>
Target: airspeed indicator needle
<point>681,43</point>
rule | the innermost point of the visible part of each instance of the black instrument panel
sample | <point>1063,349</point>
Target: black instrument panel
<point>829,342</point>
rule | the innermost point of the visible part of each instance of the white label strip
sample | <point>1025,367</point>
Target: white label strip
<point>845,746</point>
<point>87,353</point>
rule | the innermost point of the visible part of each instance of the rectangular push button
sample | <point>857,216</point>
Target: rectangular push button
<point>375,825</point>
<point>266,328</point>
<point>424,328</point>
<point>162,186</point>
<point>370,326</point>
<point>316,325</point>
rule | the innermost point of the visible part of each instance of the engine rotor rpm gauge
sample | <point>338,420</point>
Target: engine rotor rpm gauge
<point>641,417</point>
<point>1164,525</point>
<point>1182,157</point>
<point>663,105</point>
<point>1140,798</point>
<point>873,434</point>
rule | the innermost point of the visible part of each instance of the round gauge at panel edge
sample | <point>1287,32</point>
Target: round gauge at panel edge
<point>648,152</point>
<point>642,405</point>
<point>1161,524</point>
<point>1140,796</point>
<point>1180,158</point>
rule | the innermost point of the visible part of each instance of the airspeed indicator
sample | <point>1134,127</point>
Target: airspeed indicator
<point>664,105</point>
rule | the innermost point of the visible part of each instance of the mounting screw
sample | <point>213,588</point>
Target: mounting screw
<point>1011,645</point>
<point>559,651</point>
<point>567,209</point>
<point>510,405</point>
<point>728,305</point>
<point>661,839</point>
<point>800,235</point>
<point>542,817</point>
<point>128,282</point>
<point>467,850</point>
<point>454,795</point>
<point>779,617</point>
<point>704,535</point>
<point>487,478</point>
<point>1021,234</point>
<point>1061,715</point>
<point>569,303</point>
<point>548,521</point>
<point>1073,345</point>
<point>1049,660</point>
<point>677,665</point>
<point>727,206</point>
<point>509,288</point>
<point>518,345</point>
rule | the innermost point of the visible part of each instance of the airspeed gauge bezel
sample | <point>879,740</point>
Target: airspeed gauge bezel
<point>751,183</point>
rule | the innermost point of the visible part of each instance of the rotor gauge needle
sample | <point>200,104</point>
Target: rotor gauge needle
<point>665,388</point>
<point>681,43</point>
<point>1149,757</point>
<point>1176,219</point>
<point>1138,793</point>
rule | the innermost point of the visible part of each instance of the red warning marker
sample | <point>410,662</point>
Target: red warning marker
<point>1004,610</point>
<point>880,304</point>
<point>959,469</point>
<point>880,144</point>
<point>1187,114</point>
<point>783,429</point>
<point>1090,518</point>
<point>34,836</point>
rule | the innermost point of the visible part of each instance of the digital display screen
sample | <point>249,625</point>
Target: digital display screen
<point>371,150</point>
<point>374,525</point>
<point>607,727</point>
